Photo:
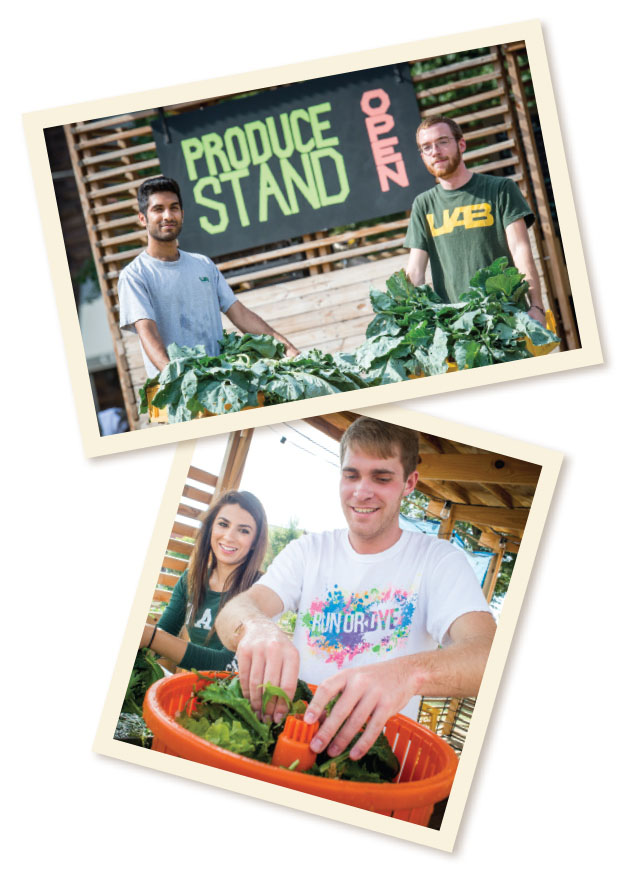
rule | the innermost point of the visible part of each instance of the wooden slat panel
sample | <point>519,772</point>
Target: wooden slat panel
<point>104,209</point>
<point>187,511</point>
<point>110,190</point>
<point>178,546</point>
<point>197,494</point>
<point>140,235</point>
<point>85,127</point>
<point>175,564</point>
<point>161,595</point>
<point>202,476</point>
<point>466,101</point>
<point>457,84</point>
<point>479,114</point>
<point>488,131</point>
<point>497,165</point>
<point>118,154</point>
<point>305,247</point>
<point>474,154</point>
<point>166,579</point>
<point>129,221</point>
<point>121,171</point>
<point>125,134</point>
<point>396,243</point>
<point>453,68</point>
<point>182,529</point>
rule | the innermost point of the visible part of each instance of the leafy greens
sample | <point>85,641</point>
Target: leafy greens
<point>222,716</point>
<point>413,333</point>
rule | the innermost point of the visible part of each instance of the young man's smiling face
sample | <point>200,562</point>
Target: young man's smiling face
<point>444,151</point>
<point>371,490</point>
<point>164,218</point>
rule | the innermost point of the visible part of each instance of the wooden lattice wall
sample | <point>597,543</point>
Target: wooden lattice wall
<point>111,157</point>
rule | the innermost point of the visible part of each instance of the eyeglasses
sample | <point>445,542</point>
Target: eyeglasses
<point>441,142</point>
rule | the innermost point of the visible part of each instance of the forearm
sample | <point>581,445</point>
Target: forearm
<point>152,343</point>
<point>523,261</point>
<point>239,613</point>
<point>163,643</point>
<point>416,266</point>
<point>454,671</point>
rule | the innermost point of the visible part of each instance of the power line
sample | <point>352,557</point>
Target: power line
<point>284,439</point>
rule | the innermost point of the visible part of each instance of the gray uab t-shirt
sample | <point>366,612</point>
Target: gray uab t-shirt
<point>183,297</point>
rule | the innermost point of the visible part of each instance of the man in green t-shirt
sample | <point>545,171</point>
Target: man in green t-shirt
<point>467,220</point>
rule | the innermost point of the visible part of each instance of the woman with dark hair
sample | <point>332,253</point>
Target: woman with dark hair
<point>226,560</point>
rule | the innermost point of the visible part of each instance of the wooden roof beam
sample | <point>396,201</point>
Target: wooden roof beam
<point>499,518</point>
<point>478,468</point>
<point>447,491</point>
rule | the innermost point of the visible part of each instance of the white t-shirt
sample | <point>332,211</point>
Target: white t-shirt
<point>354,609</point>
<point>183,297</point>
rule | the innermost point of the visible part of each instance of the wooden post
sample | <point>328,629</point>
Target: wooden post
<point>446,525</point>
<point>113,323</point>
<point>492,575</point>
<point>234,460</point>
<point>553,247</point>
<point>546,293</point>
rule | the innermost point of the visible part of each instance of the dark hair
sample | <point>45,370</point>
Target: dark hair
<point>151,186</point>
<point>431,120</point>
<point>382,439</point>
<point>203,561</point>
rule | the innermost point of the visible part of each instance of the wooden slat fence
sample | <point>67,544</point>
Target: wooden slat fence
<point>197,494</point>
<point>111,157</point>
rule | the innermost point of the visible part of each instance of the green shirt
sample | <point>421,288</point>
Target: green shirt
<point>200,654</point>
<point>463,229</point>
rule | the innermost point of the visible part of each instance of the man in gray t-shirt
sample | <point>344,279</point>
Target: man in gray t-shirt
<point>170,296</point>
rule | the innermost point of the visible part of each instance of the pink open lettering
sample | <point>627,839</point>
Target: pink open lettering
<point>389,163</point>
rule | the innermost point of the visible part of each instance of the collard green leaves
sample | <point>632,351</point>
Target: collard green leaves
<point>249,364</point>
<point>413,333</point>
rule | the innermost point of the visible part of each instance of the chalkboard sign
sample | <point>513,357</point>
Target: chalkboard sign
<point>298,159</point>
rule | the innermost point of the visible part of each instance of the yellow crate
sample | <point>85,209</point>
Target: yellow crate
<point>159,414</point>
<point>551,325</point>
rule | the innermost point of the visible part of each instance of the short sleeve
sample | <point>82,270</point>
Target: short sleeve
<point>226,297</point>
<point>173,616</point>
<point>513,205</point>
<point>285,574</point>
<point>134,300</point>
<point>416,236</point>
<point>453,591</point>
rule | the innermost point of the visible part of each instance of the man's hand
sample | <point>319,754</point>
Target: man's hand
<point>536,312</point>
<point>370,695</point>
<point>248,321</point>
<point>265,653</point>
<point>291,351</point>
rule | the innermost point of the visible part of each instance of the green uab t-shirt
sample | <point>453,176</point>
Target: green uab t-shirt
<point>463,229</point>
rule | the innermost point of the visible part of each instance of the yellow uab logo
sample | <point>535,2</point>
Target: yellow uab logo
<point>469,216</point>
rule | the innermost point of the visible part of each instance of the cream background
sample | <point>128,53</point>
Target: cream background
<point>540,799</point>
<point>530,32</point>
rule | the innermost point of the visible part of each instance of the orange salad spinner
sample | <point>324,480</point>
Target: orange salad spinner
<point>428,764</point>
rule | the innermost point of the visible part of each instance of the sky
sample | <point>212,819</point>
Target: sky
<point>293,468</point>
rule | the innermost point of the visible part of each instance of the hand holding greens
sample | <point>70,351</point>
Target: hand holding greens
<point>222,716</point>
